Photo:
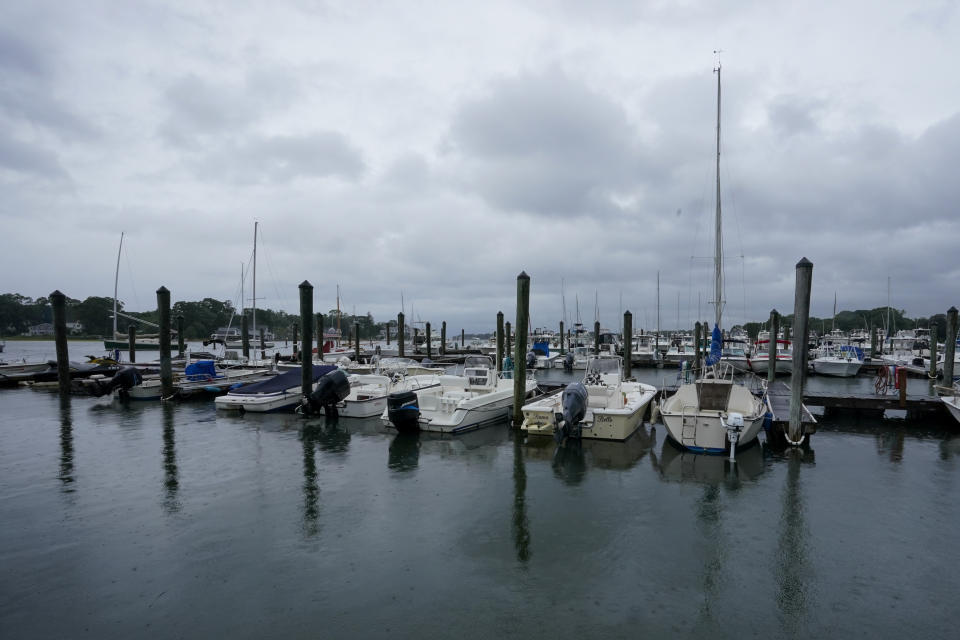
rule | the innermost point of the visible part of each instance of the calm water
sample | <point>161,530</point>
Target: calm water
<point>126,520</point>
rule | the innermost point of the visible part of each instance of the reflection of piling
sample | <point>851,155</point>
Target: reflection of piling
<point>562,350</point>
<point>949,347</point>
<point>596,337</point>
<point>306,314</point>
<point>66,444</point>
<point>772,353</point>
<point>801,316</point>
<point>933,351</point>
<point>171,480</point>
<point>181,348</point>
<point>627,343</point>
<point>401,334</point>
<point>499,341</point>
<point>429,346</point>
<point>59,303</point>
<point>520,360</point>
<point>521,524</point>
<point>166,373</point>
<point>132,342</point>
<point>244,337</point>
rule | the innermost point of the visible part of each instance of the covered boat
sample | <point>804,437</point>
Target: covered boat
<point>280,393</point>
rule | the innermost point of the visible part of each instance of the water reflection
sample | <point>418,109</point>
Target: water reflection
<point>709,512</point>
<point>326,435</point>
<point>680,465</point>
<point>66,445</point>
<point>521,524</point>
<point>571,460</point>
<point>891,443</point>
<point>171,503</point>
<point>792,565</point>
<point>404,453</point>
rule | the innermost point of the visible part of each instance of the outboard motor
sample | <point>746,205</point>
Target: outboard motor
<point>574,404</point>
<point>568,363</point>
<point>403,412</point>
<point>531,360</point>
<point>124,379</point>
<point>331,389</point>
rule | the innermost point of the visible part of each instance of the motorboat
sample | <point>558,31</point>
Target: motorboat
<point>460,403</point>
<point>282,392</point>
<point>952,403</point>
<point>368,392</point>
<point>198,378</point>
<point>735,352</point>
<point>612,409</point>
<point>840,360</point>
<point>760,360</point>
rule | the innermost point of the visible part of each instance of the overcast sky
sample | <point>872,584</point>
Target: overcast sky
<point>438,149</point>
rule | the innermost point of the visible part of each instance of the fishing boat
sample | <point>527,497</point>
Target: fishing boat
<point>198,378</point>
<point>760,359</point>
<point>283,392</point>
<point>714,414</point>
<point>952,403</point>
<point>368,392</point>
<point>460,403</point>
<point>612,409</point>
<point>839,360</point>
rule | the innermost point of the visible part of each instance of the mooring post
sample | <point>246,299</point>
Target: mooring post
<point>401,334</point>
<point>627,344</point>
<point>263,343</point>
<point>295,334</point>
<point>873,342</point>
<point>356,341</point>
<point>429,347</point>
<point>697,338</point>
<point>59,303</point>
<point>245,337</point>
<point>949,347</point>
<point>463,340</point>
<point>443,338</point>
<point>132,342</point>
<point>902,385</point>
<point>320,336</point>
<point>166,373</point>
<point>181,349</point>
<point>801,315</point>
<point>506,337</point>
<point>416,334</point>
<point>772,353</point>
<point>520,359</point>
<point>562,350</point>
<point>596,337</point>
<point>499,341</point>
<point>933,351</point>
<point>388,333</point>
<point>306,317</point>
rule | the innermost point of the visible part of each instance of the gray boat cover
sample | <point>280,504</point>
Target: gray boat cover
<point>282,382</point>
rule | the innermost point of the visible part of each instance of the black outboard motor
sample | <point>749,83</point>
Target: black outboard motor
<point>568,363</point>
<point>403,412</point>
<point>124,379</point>
<point>574,403</point>
<point>531,360</point>
<point>331,389</point>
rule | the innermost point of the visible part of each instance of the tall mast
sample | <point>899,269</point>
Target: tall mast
<point>116,280</point>
<point>718,247</point>
<point>658,303</point>
<point>255,223</point>
<point>338,311</point>
<point>833,327</point>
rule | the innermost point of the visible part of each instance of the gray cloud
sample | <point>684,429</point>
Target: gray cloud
<point>28,159</point>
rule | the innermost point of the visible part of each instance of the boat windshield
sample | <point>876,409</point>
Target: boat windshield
<point>478,362</point>
<point>603,365</point>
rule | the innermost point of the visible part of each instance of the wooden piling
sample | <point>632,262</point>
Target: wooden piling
<point>320,336</point>
<point>166,372</point>
<point>562,351</point>
<point>356,341</point>
<point>181,348</point>
<point>949,347</point>
<point>295,331</point>
<point>902,386</point>
<point>506,337</point>
<point>306,320</point>
<point>132,342</point>
<point>627,343</point>
<point>245,338</point>
<point>388,333</point>
<point>698,353</point>
<point>429,346</point>
<point>596,337</point>
<point>401,334</point>
<point>59,303</point>
<point>520,359</point>
<point>263,343</point>
<point>801,316</point>
<point>463,340</point>
<point>933,351</point>
<point>499,341</point>
<point>416,334</point>
<point>772,352</point>
<point>873,342</point>
<point>443,338</point>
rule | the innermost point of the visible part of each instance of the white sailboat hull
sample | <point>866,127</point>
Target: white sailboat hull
<point>703,430</point>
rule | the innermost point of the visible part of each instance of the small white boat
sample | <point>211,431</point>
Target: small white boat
<point>952,403</point>
<point>283,392</point>
<point>458,404</point>
<point>614,409</point>
<point>760,360</point>
<point>368,392</point>
<point>841,361</point>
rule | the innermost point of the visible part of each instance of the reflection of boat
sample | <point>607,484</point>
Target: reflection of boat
<point>404,454</point>
<point>614,409</point>
<point>601,454</point>
<point>686,466</point>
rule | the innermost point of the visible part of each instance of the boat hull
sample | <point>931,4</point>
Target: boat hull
<point>598,423</point>
<point>952,403</point>
<point>702,430</point>
<point>837,367</point>
<point>761,365</point>
<point>267,403</point>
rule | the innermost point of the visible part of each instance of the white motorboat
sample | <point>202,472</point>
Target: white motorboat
<point>368,393</point>
<point>952,403</point>
<point>201,377</point>
<point>841,361</point>
<point>614,408</point>
<point>760,360</point>
<point>459,403</point>
<point>283,392</point>
<point>714,414</point>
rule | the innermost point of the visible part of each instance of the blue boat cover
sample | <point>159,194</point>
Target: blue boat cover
<point>716,346</point>
<point>542,347</point>
<point>282,382</point>
<point>202,370</point>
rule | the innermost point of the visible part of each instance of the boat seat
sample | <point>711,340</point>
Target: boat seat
<point>713,396</point>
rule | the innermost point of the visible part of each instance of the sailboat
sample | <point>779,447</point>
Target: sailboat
<point>714,414</point>
<point>122,342</point>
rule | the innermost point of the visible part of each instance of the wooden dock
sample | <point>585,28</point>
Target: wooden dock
<point>778,397</point>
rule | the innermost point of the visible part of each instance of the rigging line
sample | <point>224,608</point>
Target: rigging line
<point>133,287</point>
<point>273,275</point>
<point>732,191</point>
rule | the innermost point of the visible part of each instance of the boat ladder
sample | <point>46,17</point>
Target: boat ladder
<point>688,426</point>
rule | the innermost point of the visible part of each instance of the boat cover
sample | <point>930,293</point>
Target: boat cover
<point>282,382</point>
<point>202,370</point>
<point>716,340</point>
